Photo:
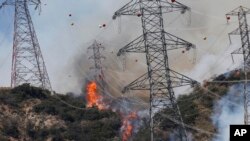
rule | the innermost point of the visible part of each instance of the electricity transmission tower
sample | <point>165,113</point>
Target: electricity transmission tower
<point>243,31</point>
<point>27,61</point>
<point>155,43</point>
<point>97,58</point>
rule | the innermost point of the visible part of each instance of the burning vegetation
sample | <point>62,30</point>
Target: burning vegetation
<point>129,119</point>
<point>117,122</point>
<point>127,126</point>
<point>132,121</point>
<point>92,96</point>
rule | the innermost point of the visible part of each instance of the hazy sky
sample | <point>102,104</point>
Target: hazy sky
<point>60,41</point>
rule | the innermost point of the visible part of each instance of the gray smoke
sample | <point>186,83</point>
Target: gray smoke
<point>228,111</point>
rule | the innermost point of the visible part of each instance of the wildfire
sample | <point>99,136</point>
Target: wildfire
<point>92,97</point>
<point>128,120</point>
<point>127,127</point>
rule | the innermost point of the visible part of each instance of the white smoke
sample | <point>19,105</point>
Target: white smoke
<point>228,111</point>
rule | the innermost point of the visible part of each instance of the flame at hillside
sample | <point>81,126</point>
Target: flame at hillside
<point>92,96</point>
<point>127,127</point>
<point>130,120</point>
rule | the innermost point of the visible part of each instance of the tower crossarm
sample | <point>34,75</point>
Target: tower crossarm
<point>133,8</point>
<point>135,46</point>
<point>237,51</point>
<point>7,2</point>
<point>172,43</point>
<point>168,6</point>
<point>236,32</point>
<point>238,10</point>
<point>37,3</point>
<point>141,83</point>
<point>177,80</point>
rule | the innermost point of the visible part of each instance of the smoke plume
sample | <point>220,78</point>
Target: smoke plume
<point>228,111</point>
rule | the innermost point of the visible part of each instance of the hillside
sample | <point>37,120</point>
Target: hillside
<point>197,109</point>
<point>29,113</point>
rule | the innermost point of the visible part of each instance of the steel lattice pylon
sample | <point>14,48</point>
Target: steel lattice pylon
<point>27,61</point>
<point>243,31</point>
<point>97,58</point>
<point>155,42</point>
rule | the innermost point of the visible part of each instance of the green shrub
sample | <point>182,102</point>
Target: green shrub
<point>10,128</point>
<point>25,91</point>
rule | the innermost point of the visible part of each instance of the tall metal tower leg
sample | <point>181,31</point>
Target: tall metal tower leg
<point>243,31</point>
<point>155,42</point>
<point>27,61</point>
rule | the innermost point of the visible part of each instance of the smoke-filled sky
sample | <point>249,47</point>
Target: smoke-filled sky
<point>62,44</point>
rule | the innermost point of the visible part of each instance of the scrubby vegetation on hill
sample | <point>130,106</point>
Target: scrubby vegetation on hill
<point>197,109</point>
<point>32,114</point>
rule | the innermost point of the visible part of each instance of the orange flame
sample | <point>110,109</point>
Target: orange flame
<point>127,127</point>
<point>92,97</point>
